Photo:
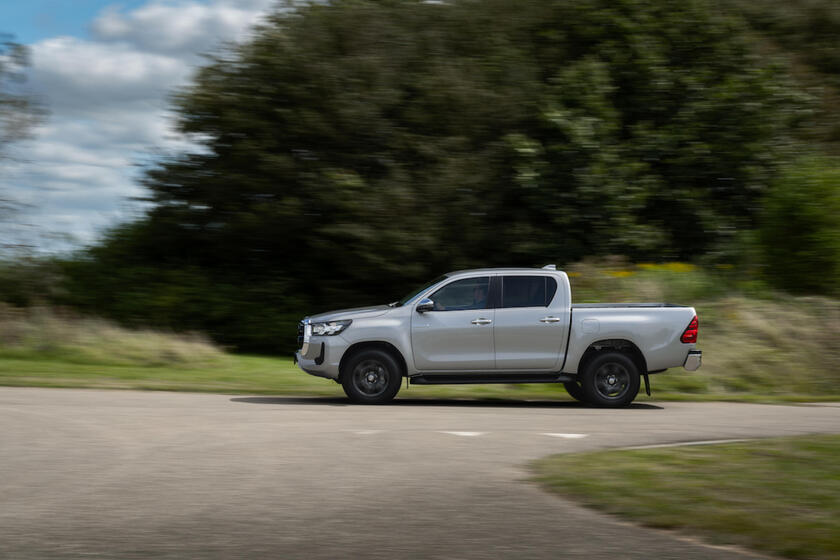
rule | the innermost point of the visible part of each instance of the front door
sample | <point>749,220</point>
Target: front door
<point>458,334</point>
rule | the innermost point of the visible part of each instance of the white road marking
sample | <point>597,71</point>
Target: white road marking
<point>686,443</point>
<point>565,436</point>
<point>464,434</point>
<point>366,432</point>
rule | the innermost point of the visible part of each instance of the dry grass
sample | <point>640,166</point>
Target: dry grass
<point>764,347</point>
<point>48,334</point>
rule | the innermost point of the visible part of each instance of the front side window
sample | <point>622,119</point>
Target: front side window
<point>469,293</point>
<point>528,291</point>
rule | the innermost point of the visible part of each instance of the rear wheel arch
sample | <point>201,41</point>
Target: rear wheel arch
<point>613,345</point>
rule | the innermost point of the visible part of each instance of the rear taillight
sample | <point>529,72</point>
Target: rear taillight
<point>690,333</point>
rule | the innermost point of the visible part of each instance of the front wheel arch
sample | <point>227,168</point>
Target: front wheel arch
<point>354,349</point>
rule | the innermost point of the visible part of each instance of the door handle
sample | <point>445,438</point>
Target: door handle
<point>550,320</point>
<point>481,321</point>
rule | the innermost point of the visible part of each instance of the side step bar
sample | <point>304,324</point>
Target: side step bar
<point>476,378</point>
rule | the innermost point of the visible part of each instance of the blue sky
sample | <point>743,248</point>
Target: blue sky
<point>33,20</point>
<point>103,70</point>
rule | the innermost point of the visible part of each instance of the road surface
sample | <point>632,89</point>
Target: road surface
<point>129,475</point>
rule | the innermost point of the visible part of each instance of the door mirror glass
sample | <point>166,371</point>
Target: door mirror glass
<point>425,305</point>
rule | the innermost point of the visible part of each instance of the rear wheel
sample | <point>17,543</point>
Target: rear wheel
<point>610,380</point>
<point>371,377</point>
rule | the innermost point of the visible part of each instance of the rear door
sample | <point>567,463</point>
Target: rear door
<point>458,334</point>
<point>531,323</point>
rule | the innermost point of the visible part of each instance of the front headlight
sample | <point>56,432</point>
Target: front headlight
<point>330,328</point>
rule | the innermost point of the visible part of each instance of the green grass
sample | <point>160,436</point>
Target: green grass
<point>237,374</point>
<point>778,495</point>
<point>268,375</point>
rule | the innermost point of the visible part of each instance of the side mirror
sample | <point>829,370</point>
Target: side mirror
<point>425,305</point>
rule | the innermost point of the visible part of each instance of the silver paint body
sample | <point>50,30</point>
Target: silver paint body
<point>544,339</point>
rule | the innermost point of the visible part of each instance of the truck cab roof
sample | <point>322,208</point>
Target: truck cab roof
<point>503,270</point>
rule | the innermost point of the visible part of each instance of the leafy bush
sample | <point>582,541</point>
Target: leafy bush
<point>29,281</point>
<point>800,229</point>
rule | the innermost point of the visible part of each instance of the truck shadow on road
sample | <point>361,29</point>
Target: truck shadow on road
<point>486,403</point>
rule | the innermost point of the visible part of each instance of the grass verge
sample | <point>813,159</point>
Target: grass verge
<point>279,376</point>
<point>779,495</point>
<point>237,374</point>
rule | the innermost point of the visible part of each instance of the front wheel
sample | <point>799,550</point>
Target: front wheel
<point>610,380</point>
<point>371,377</point>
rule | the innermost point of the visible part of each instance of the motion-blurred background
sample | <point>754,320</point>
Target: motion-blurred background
<point>330,154</point>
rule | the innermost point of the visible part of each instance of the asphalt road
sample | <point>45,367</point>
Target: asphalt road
<point>125,475</point>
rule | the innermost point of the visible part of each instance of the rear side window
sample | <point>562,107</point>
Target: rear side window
<point>528,291</point>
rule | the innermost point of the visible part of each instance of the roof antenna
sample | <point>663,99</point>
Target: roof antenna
<point>550,267</point>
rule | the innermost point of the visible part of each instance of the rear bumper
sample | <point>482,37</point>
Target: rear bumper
<point>694,360</point>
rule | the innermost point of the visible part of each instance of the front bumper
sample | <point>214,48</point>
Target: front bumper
<point>319,366</point>
<point>316,369</point>
<point>319,355</point>
<point>694,360</point>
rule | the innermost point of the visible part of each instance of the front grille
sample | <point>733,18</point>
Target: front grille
<point>300,335</point>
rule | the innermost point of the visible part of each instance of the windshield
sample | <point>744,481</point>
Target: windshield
<point>422,288</point>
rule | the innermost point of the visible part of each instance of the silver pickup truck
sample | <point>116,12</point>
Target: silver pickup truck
<point>499,325</point>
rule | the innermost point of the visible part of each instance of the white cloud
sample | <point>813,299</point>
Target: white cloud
<point>185,27</point>
<point>107,99</point>
<point>75,74</point>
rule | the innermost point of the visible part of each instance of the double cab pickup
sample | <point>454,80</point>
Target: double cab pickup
<point>499,325</point>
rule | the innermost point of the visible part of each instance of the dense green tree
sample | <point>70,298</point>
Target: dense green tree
<point>805,34</point>
<point>353,148</point>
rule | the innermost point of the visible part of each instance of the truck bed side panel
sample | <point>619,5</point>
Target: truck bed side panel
<point>655,331</point>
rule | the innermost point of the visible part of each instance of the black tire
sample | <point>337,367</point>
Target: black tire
<point>371,377</point>
<point>575,390</point>
<point>610,380</point>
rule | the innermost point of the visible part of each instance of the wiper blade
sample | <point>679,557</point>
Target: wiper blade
<point>393,304</point>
